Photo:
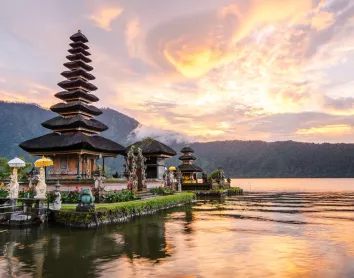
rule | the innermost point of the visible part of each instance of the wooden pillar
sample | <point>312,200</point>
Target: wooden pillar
<point>79,165</point>
<point>103,165</point>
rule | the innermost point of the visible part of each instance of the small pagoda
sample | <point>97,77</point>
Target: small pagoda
<point>74,145</point>
<point>188,169</point>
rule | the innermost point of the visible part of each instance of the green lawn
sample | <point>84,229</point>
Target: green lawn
<point>150,203</point>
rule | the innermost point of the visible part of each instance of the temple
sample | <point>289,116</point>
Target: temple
<point>155,153</point>
<point>74,145</point>
<point>188,169</point>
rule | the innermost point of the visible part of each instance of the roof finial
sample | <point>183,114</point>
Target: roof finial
<point>79,31</point>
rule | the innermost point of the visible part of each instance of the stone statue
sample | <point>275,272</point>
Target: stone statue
<point>57,194</point>
<point>140,162</point>
<point>131,165</point>
<point>96,182</point>
<point>164,179</point>
<point>13,185</point>
<point>222,177</point>
<point>205,177</point>
<point>99,182</point>
<point>179,177</point>
<point>86,196</point>
<point>170,179</point>
<point>31,177</point>
<point>86,200</point>
<point>99,185</point>
<point>41,188</point>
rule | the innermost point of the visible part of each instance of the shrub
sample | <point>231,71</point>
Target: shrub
<point>71,197</point>
<point>234,191</point>
<point>162,191</point>
<point>51,196</point>
<point>3,193</point>
<point>214,175</point>
<point>119,196</point>
<point>28,193</point>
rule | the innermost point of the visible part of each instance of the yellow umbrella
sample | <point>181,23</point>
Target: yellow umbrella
<point>172,168</point>
<point>43,162</point>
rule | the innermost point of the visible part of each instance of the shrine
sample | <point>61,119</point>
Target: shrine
<point>188,169</point>
<point>74,145</point>
<point>155,153</point>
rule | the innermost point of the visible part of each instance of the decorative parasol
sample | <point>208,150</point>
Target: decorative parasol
<point>16,163</point>
<point>43,162</point>
<point>172,168</point>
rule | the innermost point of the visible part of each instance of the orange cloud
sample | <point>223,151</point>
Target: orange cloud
<point>268,12</point>
<point>31,93</point>
<point>327,129</point>
<point>194,62</point>
<point>322,20</point>
<point>103,17</point>
<point>195,52</point>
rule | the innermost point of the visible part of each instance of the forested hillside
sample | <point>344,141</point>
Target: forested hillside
<point>277,159</point>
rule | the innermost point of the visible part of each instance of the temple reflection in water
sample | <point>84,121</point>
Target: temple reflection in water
<point>42,251</point>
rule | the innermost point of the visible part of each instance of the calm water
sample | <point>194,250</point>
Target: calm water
<point>259,234</point>
<point>295,185</point>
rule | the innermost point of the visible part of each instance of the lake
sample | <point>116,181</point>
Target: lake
<point>295,185</point>
<point>278,228</point>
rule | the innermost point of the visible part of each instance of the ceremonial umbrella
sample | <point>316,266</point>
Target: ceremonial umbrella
<point>172,168</point>
<point>43,162</point>
<point>16,163</point>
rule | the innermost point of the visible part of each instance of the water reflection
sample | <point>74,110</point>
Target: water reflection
<point>256,235</point>
<point>45,250</point>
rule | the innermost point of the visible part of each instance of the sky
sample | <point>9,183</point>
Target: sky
<point>200,70</point>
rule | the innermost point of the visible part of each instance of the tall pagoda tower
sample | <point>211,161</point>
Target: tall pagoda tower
<point>74,145</point>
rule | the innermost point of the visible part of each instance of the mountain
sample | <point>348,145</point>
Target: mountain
<point>22,121</point>
<point>258,159</point>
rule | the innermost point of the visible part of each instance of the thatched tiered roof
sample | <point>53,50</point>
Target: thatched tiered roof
<point>151,146</point>
<point>55,142</point>
<point>187,159</point>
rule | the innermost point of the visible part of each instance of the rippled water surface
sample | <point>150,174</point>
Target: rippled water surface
<point>259,234</point>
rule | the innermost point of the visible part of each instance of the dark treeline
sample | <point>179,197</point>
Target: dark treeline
<point>278,159</point>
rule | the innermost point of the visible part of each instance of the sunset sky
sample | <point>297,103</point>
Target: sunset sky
<point>207,70</point>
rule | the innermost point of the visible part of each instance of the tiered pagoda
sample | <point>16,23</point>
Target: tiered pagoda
<point>188,169</point>
<point>74,145</point>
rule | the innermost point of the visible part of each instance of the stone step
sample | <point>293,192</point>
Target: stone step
<point>145,195</point>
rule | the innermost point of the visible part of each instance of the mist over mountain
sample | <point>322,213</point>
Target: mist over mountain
<point>21,121</point>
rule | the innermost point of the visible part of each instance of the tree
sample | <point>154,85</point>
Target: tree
<point>5,170</point>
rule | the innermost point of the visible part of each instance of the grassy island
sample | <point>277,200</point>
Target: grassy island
<point>219,192</point>
<point>106,213</point>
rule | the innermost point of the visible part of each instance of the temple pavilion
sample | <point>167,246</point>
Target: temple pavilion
<point>155,153</point>
<point>188,169</point>
<point>74,144</point>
